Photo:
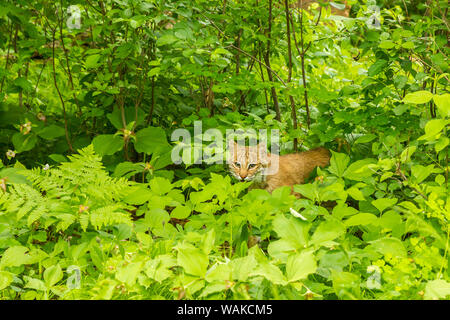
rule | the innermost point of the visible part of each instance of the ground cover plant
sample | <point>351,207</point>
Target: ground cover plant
<point>92,205</point>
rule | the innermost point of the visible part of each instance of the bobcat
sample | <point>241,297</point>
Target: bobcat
<point>252,163</point>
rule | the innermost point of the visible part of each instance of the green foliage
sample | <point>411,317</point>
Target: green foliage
<point>102,212</point>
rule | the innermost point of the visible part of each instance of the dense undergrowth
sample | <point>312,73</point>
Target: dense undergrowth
<point>92,206</point>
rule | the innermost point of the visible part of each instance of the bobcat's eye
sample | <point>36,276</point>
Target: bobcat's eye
<point>251,165</point>
<point>237,164</point>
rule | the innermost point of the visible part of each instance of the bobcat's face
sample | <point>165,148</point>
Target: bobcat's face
<point>246,163</point>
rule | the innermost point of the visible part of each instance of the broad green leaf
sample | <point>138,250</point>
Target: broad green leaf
<point>346,285</point>
<point>366,138</point>
<point>150,139</point>
<point>386,44</point>
<point>418,97</point>
<point>270,272</point>
<point>51,132</point>
<point>437,289</point>
<point>281,249</point>
<point>115,117</point>
<point>327,231</point>
<point>36,284</point>
<point>23,142</point>
<point>359,170</point>
<point>291,229</point>
<point>159,267</point>
<point>156,218</point>
<point>160,185</point>
<point>129,273</point>
<point>52,275</point>
<point>242,267</point>
<point>138,195</point>
<point>14,256</point>
<point>407,153</point>
<point>338,163</point>
<point>388,246</point>
<point>384,203</point>
<point>181,212</point>
<point>356,194</point>
<point>420,173</point>
<point>300,265</point>
<point>219,271</point>
<point>361,219</point>
<point>377,67</point>
<point>5,279</point>
<point>193,260</point>
<point>92,61</point>
<point>107,144</point>
<point>441,144</point>
<point>433,128</point>
<point>443,104</point>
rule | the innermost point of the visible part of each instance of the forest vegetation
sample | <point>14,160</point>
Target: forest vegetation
<point>92,205</point>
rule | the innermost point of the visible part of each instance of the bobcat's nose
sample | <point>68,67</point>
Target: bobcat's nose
<point>243,175</point>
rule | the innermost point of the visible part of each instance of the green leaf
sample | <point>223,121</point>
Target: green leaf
<point>23,142</point>
<point>14,256</point>
<point>35,284</point>
<point>92,61</point>
<point>383,203</point>
<point>242,267</point>
<point>418,97</point>
<point>129,273</point>
<point>388,246</point>
<point>166,39</point>
<point>377,67</point>
<point>437,289</point>
<point>138,195</point>
<point>181,212</point>
<point>5,279</point>
<point>51,132</point>
<point>443,104</point>
<point>356,194</point>
<point>420,173</point>
<point>219,272</point>
<point>327,231</point>
<point>433,128</point>
<point>150,139</point>
<point>160,186</point>
<point>291,229</point>
<point>346,285</point>
<point>366,138</point>
<point>115,117</point>
<point>441,144</point>
<point>270,272</point>
<point>408,45</point>
<point>361,219</point>
<point>193,260</point>
<point>300,265</point>
<point>52,275</point>
<point>407,153</point>
<point>386,44</point>
<point>159,267</point>
<point>359,170</point>
<point>107,144</point>
<point>338,163</point>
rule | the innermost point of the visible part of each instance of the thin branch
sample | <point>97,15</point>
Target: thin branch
<point>66,129</point>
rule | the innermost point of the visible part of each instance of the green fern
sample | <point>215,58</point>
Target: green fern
<point>76,191</point>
